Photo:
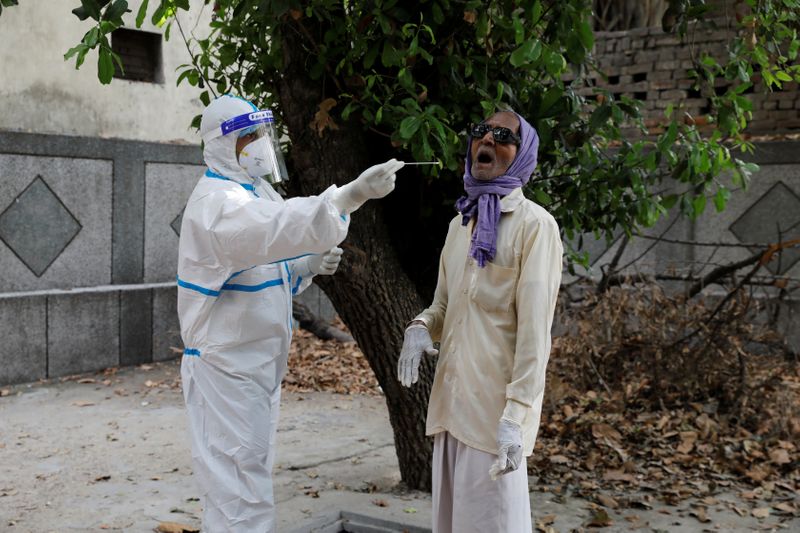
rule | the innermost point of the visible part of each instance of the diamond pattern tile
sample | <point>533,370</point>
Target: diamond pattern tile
<point>176,224</point>
<point>37,226</point>
<point>773,216</point>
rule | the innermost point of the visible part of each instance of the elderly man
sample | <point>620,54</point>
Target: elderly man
<point>499,276</point>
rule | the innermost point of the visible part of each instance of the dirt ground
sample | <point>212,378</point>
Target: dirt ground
<point>109,451</point>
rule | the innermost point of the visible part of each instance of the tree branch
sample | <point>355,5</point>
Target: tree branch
<point>762,257</point>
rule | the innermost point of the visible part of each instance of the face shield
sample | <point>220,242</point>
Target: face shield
<point>261,156</point>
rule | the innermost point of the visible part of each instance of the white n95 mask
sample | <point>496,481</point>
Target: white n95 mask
<point>257,159</point>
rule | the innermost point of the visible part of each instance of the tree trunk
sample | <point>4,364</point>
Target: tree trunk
<point>371,292</point>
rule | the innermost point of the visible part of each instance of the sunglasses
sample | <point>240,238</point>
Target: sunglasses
<point>499,134</point>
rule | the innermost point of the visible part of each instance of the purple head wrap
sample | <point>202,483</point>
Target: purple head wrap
<point>483,197</point>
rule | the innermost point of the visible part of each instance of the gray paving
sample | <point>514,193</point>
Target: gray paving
<point>109,452</point>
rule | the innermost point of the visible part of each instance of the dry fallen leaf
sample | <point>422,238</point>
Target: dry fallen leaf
<point>601,431</point>
<point>86,380</point>
<point>175,527</point>
<point>618,475</point>
<point>322,118</point>
<point>739,511</point>
<point>600,519</point>
<point>5,392</point>
<point>547,519</point>
<point>760,512</point>
<point>785,507</point>
<point>82,403</point>
<point>688,439</point>
<point>380,503</point>
<point>700,514</point>
<point>607,501</point>
<point>779,456</point>
<point>559,459</point>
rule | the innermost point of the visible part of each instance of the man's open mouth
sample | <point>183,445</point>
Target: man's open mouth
<point>484,156</point>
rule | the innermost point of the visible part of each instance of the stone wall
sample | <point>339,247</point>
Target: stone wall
<point>651,66</point>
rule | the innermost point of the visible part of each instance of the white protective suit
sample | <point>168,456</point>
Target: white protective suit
<point>242,254</point>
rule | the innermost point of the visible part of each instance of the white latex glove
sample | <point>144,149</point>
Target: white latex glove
<point>327,263</point>
<point>509,445</point>
<point>417,342</point>
<point>375,182</point>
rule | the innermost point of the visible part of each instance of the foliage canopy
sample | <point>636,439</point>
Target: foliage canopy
<point>417,73</point>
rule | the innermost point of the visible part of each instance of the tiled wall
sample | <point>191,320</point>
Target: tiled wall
<point>87,272</point>
<point>88,252</point>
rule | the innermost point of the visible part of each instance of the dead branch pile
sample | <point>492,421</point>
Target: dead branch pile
<point>652,392</point>
<point>660,351</point>
<point>328,365</point>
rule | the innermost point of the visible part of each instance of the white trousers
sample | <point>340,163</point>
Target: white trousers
<point>466,500</point>
<point>232,431</point>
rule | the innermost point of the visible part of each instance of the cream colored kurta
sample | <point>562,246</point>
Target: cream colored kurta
<point>494,327</point>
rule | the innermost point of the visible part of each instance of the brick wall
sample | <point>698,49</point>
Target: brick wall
<point>651,66</point>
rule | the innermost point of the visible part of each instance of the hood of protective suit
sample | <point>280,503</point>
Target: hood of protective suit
<point>220,153</point>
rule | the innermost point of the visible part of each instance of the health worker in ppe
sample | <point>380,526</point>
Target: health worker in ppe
<point>243,252</point>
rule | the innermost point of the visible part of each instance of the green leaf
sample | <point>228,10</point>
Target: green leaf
<point>554,63</point>
<point>599,117</point>
<point>721,199</point>
<point>550,97</point>
<point>370,56</point>
<point>585,34</point>
<point>182,76</point>
<point>668,138</point>
<point>783,76</point>
<point>408,127</point>
<point>89,8</point>
<point>105,66</point>
<point>115,11</point>
<point>669,201</point>
<point>92,37</point>
<point>438,16</point>
<point>698,205</point>
<point>142,13</point>
<point>81,50</point>
<point>389,57</point>
<point>542,197</point>
<point>159,15</point>
<point>523,54</point>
